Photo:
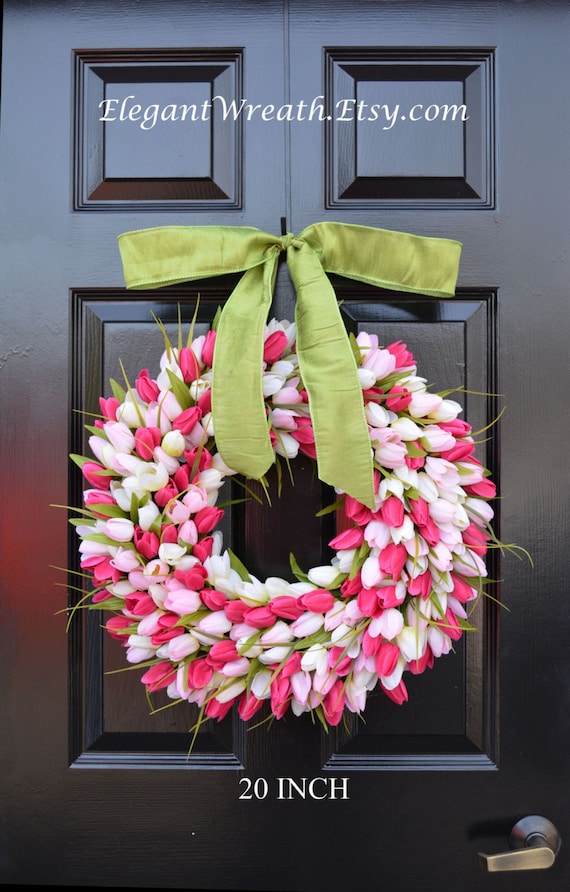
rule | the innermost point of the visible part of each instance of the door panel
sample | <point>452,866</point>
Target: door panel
<point>99,790</point>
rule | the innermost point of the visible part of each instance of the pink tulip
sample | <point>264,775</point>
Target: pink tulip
<point>109,408</point>
<point>461,589</point>
<point>220,653</point>
<point>208,518</point>
<point>146,543</point>
<point>159,676</point>
<point>398,398</point>
<point>389,449</point>
<point>182,646</point>
<point>120,529</point>
<point>203,549</point>
<point>147,389</point>
<point>370,644</point>
<point>259,617</point>
<point>286,606</point>
<point>166,634</point>
<point>399,694</point>
<point>475,538</point>
<point>388,624</point>
<point>139,604</point>
<point>274,346</point>
<point>301,686</point>
<point>379,361</point>
<point>422,403</point>
<point>450,625</point>
<point>187,420</point>
<point>216,710</point>
<point>102,595</point>
<point>486,489</point>
<point>208,348</point>
<point>280,695</point>
<point>462,450</point>
<point>392,595</point>
<point>421,585</point>
<point>351,538</point>
<point>182,601</point>
<point>317,601</point>
<point>235,610</point>
<point>391,559</point>
<point>215,623</point>
<point>189,365</point>
<point>419,511</point>
<point>125,560</point>
<point>368,602</point>
<point>341,664</point>
<point>304,432</point>
<point>96,475</point>
<point>287,396</point>
<point>404,359</point>
<point>393,512</point>
<point>333,704</point>
<point>118,626</point>
<point>292,665</point>
<point>192,579</point>
<point>199,673</point>
<point>357,511</point>
<point>248,706</point>
<point>387,657</point>
<point>163,496</point>
<point>307,624</point>
<point>213,599</point>
<point>426,661</point>
<point>101,568</point>
<point>146,441</point>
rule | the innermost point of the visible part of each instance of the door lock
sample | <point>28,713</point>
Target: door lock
<point>534,843</point>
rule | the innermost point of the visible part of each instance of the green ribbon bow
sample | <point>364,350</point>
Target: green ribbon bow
<point>166,255</point>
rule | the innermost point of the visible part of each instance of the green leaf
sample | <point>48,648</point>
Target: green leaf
<point>96,431</point>
<point>355,348</point>
<point>318,637</point>
<point>118,392</point>
<point>330,508</point>
<point>180,390</point>
<point>414,451</point>
<point>437,602</point>
<point>296,570</point>
<point>360,556</point>
<point>466,626</point>
<point>239,568</point>
<point>216,319</point>
<point>80,460</point>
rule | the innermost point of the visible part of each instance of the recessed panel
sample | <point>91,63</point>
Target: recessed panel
<point>151,131</point>
<point>410,126</point>
<point>448,721</point>
<point>113,723</point>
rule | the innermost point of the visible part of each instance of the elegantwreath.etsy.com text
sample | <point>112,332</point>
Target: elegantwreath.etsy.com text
<point>344,111</point>
<point>291,788</point>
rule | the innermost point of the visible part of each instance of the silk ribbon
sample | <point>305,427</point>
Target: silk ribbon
<point>167,255</point>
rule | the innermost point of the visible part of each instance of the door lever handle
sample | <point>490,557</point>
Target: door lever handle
<point>534,843</point>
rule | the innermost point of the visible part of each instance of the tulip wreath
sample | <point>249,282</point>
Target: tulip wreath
<point>415,500</point>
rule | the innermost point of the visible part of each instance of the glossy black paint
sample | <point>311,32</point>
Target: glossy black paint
<point>95,792</point>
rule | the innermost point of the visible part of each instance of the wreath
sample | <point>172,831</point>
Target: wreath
<point>405,570</point>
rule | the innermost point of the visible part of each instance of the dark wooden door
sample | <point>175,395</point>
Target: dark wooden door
<point>97,792</point>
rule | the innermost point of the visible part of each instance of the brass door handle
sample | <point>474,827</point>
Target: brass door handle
<point>534,843</point>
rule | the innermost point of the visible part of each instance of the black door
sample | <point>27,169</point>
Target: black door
<point>441,119</point>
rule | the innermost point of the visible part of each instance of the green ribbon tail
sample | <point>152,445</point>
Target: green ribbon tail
<point>240,421</point>
<point>160,256</point>
<point>329,373</point>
